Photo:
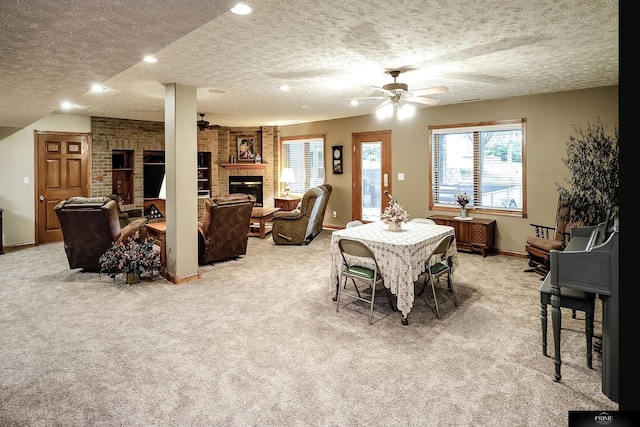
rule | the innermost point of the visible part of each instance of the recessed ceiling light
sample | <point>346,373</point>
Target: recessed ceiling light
<point>241,9</point>
<point>355,102</point>
<point>66,105</point>
<point>97,88</point>
<point>284,87</point>
<point>150,58</point>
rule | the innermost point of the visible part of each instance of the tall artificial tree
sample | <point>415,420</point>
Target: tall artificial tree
<point>592,159</point>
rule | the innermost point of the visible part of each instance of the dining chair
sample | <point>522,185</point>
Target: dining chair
<point>437,265</point>
<point>422,220</point>
<point>354,254</point>
<point>354,223</point>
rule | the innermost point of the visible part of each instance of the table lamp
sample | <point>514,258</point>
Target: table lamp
<point>163,188</point>
<point>287,177</point>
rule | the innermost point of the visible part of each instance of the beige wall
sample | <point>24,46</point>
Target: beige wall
<point>549,124</point>
<point>16,164</point>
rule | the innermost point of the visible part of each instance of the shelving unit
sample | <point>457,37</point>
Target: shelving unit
<point>153,173</point>
<point>204,174</point>
<point>122,175</point>
<point>154,169</point>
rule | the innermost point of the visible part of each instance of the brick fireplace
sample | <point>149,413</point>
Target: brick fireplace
<point>247,185</point>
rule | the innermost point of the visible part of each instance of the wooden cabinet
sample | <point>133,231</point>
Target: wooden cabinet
<point>122,175</point>
<point>475,234</point>
<point>286,203</point>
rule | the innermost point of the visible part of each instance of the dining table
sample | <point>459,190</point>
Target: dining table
<point>401,255</point>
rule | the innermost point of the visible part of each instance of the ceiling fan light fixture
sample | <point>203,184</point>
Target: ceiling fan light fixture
<point>405,111</point>
<point>385,111</point>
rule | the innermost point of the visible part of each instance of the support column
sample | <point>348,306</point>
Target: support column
<point>181,150</point>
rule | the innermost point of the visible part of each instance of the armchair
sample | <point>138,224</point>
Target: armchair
<point>224,231</point>
<point>546,239</point>
<point>303,225</point>
<point>127,216</point>
<point>90,225</point>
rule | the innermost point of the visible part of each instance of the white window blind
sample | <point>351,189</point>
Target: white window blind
<point>483,160</point>
<point>305,155</point>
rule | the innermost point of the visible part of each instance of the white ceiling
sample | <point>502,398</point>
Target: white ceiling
<point>327,51</point>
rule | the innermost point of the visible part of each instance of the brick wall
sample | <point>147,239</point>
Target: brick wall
<point>119,134</point>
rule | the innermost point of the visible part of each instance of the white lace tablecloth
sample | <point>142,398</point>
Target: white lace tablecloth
<point>401,255</point>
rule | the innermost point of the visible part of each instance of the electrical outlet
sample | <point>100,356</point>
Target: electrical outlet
<point>335,215</point>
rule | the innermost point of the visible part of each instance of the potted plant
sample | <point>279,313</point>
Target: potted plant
<point>463,199</point>
<point>134,259</point>
<point>394,215</point>
<point>592,159</point>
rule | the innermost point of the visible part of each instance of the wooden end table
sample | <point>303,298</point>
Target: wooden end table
<point>286,203</point>
<point>158,230</point>
<point>259,219</point>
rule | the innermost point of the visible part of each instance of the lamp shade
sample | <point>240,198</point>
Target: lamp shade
<point>163,188</point>
<point>287,175</point>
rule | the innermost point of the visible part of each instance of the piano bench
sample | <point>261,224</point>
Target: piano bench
<point>572,299</point>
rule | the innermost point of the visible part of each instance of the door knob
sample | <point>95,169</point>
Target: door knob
<point>41,198</point>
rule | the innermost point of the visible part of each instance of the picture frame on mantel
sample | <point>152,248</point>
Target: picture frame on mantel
<point>247,149</point>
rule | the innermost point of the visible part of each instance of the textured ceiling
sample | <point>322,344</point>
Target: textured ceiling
<point>327,51</point>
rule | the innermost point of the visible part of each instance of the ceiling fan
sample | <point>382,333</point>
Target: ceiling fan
<point>397,94</point>
<point>204,124</point>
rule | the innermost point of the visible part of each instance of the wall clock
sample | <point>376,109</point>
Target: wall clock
<point>337,158</point>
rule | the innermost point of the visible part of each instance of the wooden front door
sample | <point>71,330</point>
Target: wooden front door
<point>62,171</point>
<point>371,166</point>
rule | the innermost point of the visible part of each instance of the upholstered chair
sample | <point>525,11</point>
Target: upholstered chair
<point>127,216</point>
<point>90,226</point>
<point>303,225</point>
<point>224,231</point>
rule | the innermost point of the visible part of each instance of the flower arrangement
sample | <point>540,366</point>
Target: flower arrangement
<point>394,214</point>
<point>462,199</point>
<point>132,256</point>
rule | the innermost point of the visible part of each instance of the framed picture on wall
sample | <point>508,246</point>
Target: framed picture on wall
<point>247,149</point>
<point>337,159</point>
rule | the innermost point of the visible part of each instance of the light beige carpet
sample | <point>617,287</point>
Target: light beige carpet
<point>258,342</point>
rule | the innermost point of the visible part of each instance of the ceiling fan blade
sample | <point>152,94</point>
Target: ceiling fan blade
<point>430,90</point>
<point>381,89</point>
<point>426,101</point>
<point>388,101</point>
<point>368,97</point>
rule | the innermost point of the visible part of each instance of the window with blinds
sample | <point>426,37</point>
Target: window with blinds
<point>483,160</point>
<point>305,155</point>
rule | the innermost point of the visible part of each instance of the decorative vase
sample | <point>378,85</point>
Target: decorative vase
<point>463,212</point>
<point>394,227</point>
<point>132,278</point>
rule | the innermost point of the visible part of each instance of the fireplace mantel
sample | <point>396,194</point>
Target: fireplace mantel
<point>244,165</point>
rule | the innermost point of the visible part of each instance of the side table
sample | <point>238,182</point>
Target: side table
<point>158,230</point>
<point>286,203</point>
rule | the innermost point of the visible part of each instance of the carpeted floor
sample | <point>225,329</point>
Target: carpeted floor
<point>257,342</point>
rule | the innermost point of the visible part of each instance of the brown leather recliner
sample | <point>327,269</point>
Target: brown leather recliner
<point>90,226</point>
<point>224,231</point>
<point>128,216</point>
<point>302,226</point>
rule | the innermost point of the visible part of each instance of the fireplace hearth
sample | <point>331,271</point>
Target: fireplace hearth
<point>247,185</point>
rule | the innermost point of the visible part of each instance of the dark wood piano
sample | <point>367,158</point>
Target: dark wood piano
<point>590,263</point>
